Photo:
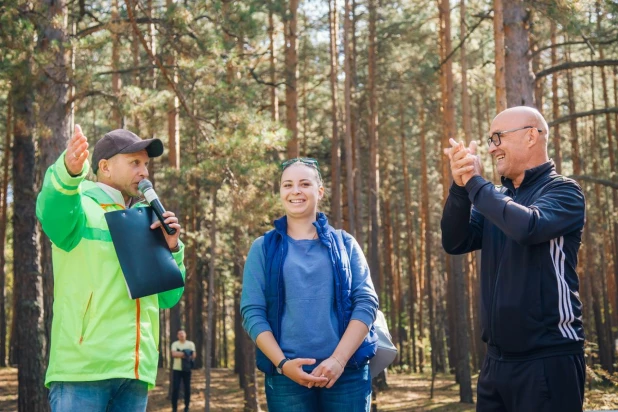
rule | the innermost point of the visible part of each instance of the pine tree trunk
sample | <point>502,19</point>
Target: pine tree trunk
<point>426,241</point>
<point>27,287</point>
<point>115,29</point>
<point>457,304</point>
<point>354,127</point>
<point>499,79</point>
<point>410,242</point>
<point>610,148</point>
<point>137,79</point>
<point>575,156</point>
<point>291,75</point>
<point>335,153</point>
<point>557,139</point>
<point>597,271</point>
<point>211,292</point>
<point>374,159</point>
<point>214,356</point>
<point>349,162</point>
<point>518,74</point>
<point>398,295</point>
<point>173,109</point>
<point>245,348</point>
<point>466,117</point>
<point>3,224</point>
<point>272,50</point>
<point>389,265</point>
<point>53,92</point>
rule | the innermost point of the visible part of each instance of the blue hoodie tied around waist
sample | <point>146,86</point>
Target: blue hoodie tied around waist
<point>359,302</point>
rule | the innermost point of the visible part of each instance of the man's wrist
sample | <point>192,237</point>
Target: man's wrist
<point>175,248</point>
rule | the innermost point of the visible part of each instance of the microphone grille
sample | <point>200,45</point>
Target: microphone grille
<point>144,185</point>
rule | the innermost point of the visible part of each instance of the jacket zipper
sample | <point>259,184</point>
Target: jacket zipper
<point>493,300</point>
<point>137,338</point>
<point>493,295</point>
<point>81,338</point>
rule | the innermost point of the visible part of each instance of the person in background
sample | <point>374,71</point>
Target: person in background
<point>183,352</point>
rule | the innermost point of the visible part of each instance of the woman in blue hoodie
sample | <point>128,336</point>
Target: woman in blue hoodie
<point>309,304</point>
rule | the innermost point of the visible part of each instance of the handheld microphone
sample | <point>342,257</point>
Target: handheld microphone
<point>153,200</point>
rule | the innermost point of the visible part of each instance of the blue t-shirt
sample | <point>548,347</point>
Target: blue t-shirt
<point>309,301</point>
<point>309,321</point>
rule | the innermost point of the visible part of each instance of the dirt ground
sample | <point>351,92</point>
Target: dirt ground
<point>406,393</point>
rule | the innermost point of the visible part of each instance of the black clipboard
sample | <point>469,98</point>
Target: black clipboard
<point>145,259</point>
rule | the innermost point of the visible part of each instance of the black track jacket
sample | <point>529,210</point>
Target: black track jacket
<point>529,238</point>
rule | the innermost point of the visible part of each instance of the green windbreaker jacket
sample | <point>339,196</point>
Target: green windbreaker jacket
<point>98,332</point>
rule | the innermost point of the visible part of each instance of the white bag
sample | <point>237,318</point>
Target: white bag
<point>386,351</point>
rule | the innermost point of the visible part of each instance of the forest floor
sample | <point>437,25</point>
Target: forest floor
<point>406,393</point>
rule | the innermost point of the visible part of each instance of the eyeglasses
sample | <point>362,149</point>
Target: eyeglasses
<point>308,161</point>
<point>495,137</point>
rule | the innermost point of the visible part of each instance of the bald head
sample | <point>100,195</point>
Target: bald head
<point>522,144</point>
<point>519,116</point>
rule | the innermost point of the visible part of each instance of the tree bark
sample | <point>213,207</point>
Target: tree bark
<point>53,97</point>
<point>3,224</point>
<point>610,149</point>
<point>27,286</point>
<point>349,162</point>
<point>457,305</point>
<point>173,108</point>
<point>499,80</point>
<point>597,271</point>
<point>465,97</point>
<point>572,119</point>
<point>335,153</point>
<point>272,51</point>
<point>115,29</point>
<point>211,281</point>
<point>291,76</point>
<point>518,74</point>
<point>374,157</point>
<point>410,242</point>
<point>556,138</point>
<point>245,346</point>
<point>427,235</point>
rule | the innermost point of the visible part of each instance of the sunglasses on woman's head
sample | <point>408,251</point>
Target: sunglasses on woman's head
<point>307,161</point>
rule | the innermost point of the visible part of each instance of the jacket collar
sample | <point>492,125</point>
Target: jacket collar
<point>321,225</point>
<point>530,175</point>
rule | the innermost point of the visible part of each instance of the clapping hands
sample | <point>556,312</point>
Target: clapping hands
<point>465,163</point>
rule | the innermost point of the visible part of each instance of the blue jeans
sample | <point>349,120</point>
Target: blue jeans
<point>351,393</point>
<point>110,395</point>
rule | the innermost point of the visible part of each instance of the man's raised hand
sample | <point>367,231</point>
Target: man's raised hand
<point>77,152</point>
<point>462,160</point>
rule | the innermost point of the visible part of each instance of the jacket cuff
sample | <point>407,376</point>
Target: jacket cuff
<point>457,190</point>
<point>179,256</point>
<point>474,185</point>
<point>63,181</point>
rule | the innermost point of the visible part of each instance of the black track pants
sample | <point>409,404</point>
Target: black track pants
<point>552,384</point>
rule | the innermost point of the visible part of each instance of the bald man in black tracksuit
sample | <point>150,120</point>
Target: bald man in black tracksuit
<point>529,231</point>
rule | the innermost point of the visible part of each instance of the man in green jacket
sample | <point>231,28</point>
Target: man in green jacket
<point>104,345</point>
